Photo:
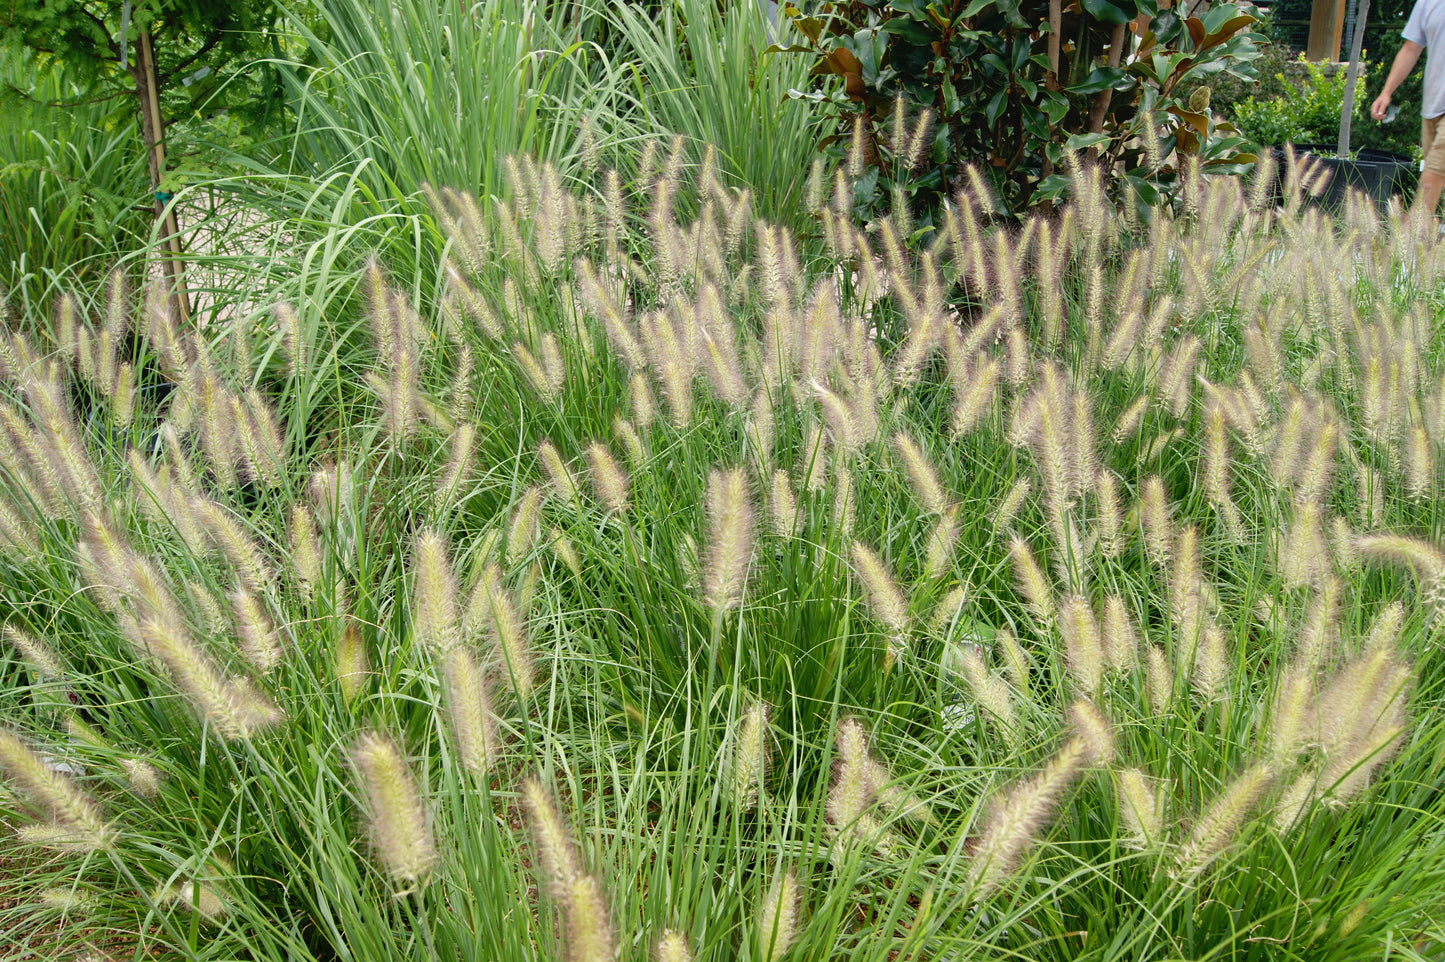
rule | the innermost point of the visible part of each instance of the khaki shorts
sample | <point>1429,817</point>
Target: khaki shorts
<point>1432,142</point>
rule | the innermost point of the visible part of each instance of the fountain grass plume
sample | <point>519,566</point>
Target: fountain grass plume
<point>777,925</point>
<point>730,538</point>
<point>782,505</point>
<point>1219,824</point>
<point>434,594</point>
<point>587,933</point>
<point>560,476</point>
<point>673,947</point>
<point>922,475</point>
<point>608,479</point>
<point>493,611</point>
<point>991,692</point>
<point>75,819</point>
<point>468,709</point>
<point>1018,815</point>
<point>1031,581</point>
<point>35,652</point>
<point>396,820</point>
<point>305,549</point>
<point>351,663</point>
<point>1083,646</point>
<point>886,601</point>
<point>522,532</point>
<point>255,632</point>
<point>747,774</point>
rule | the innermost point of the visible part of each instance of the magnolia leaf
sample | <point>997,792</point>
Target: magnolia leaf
<point>1196,30</point>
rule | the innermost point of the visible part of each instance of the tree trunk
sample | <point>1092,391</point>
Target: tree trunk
<point>147,92</point>
<point>1100,107</point>
<point>1051,79</point>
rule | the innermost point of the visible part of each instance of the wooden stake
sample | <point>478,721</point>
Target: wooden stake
<point>153,126</point>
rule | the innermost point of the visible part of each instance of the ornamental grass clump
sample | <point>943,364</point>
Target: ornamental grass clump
<point>1067,588</point>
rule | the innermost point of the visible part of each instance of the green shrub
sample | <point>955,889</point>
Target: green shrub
<point>994,87</point>
<point>1307,113</point>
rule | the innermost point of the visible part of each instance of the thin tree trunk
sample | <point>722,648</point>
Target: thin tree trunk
<point>1102,99</point>
<point>147,91</point>
<point>1051,80</point>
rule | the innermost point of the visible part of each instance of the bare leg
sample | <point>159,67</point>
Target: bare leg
<point>1428,197</point>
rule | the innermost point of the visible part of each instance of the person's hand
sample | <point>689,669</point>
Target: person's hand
<point>1378,108</point>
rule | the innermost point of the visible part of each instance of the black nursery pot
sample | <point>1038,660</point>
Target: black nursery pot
<point>1378,174</point>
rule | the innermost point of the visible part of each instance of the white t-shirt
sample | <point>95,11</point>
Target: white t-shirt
<point>1426,27</point>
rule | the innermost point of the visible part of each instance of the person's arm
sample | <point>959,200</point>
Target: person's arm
<point>1405,62</point>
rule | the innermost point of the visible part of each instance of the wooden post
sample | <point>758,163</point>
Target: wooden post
<point>1327,25</point>
<point>154,130</point>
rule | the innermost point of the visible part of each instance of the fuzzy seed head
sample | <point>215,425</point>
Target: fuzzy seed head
<point>1019,814</point>
<point>351,660</point>
<point>608,480</point>
<point>672,947</point>
<point>469,709</point>
<point>563,484</point>
<point>255,631</point>
<point>921,474</point>
<point>1094,730</point>
<point>145,780</point>
<point>1121,644</point>
<point>522,534</point>
<point>494,611</point>
<point>885,600</point>
<point>305,550</point>
<point>750,756</point>
<point>1158,679</point>
<point>730,538</point>
<point>75,818</point>
<point>782,505</point>
<point>1083,647</point>
<point>1141,805</point>
<point>1155,521</point>
<point>434,593</point>
<point>1032,583</point>
<point>396,819</point>
<point>35,652</point>
<point>1220,823</point>
<point>778,918</point>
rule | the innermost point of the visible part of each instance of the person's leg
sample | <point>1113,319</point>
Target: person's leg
<point>1428,197</point>
<point>1432,174</point>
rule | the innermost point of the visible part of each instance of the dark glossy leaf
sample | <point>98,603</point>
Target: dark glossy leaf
<point>996,106</point>
<point>1022,46</point>
<point>918,9</point>
<point>1196,30</point>
<point>911,31</point>
<point>1107,11</point>
<point>1101,78</point>
<point>1036,124</point>
<point>842,61</point>
<point>995,61</point>
<point>1084,141</point>
<point>811,27</point>
<point>1145,190</point>
<point>1199,122</point>
<point>1053,187</point>
<point>1221,14</point>
<point>1227,30</point>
